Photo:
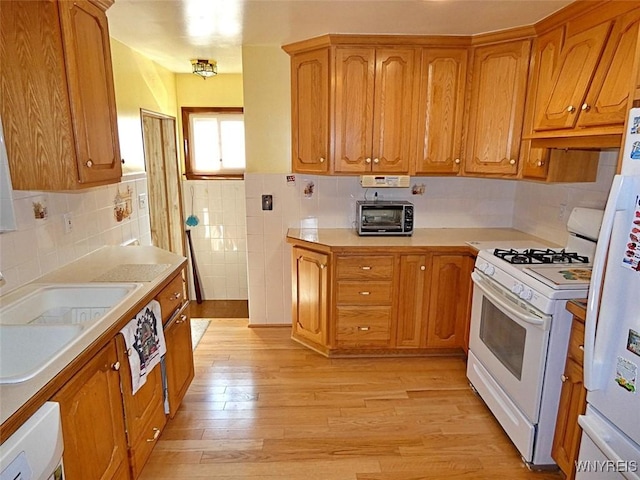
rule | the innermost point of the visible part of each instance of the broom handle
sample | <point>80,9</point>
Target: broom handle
<point>194,267</point>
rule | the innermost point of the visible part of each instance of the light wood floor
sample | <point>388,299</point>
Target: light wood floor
<point>219,309</point>
<point>262,407</point>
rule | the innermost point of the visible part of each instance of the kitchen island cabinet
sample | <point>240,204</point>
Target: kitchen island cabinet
<point>92,420</point>
<point>58,102</point>
<point>381,300</point>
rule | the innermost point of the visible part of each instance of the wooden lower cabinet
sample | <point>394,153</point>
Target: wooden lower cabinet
<point>95,445</point>
<point>144,411</point>
<point>179,358</point>
<point>573,402</point>
<point>310,290</point>
<point>365,301</point>
<point>448,310</point>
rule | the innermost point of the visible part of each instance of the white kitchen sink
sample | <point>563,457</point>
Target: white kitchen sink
<point>38,328</point>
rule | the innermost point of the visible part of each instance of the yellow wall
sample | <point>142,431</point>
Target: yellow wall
<point>267,109</point>
<point>139,83</point>
<point>219,91</point>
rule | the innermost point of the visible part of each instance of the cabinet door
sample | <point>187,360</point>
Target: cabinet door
<point>412,301</point>
<point>92,422</point>
<point>440,104</point>
<point>310,111</point>
<point>393,108</point>
<point>441,98</point>
<point>580,55</point>
<point>499,81</point>
<point>310,294</point>
<point>607,100</point>
<point>144,411</point>
<point>573,401</point>
<point>179,359</point>
<point>354,97</point>
<point>448,300</point>
<point>88,62</point>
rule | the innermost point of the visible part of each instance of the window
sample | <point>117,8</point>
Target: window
<point>213,142</point>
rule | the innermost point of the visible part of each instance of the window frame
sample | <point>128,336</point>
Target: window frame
<point>189,173</point>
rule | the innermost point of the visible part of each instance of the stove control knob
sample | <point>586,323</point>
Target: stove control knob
<point>517,288</point>
<point>526,294</point>
<point>483,266</point>
<point>490,270</point>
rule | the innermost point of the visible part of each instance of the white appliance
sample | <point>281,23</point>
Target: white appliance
<point>610,446</point>
<point>34,451</point>
<point>520,332</point>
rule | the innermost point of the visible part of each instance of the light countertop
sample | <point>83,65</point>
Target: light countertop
<point>477,238</point>
<point>90,269</point>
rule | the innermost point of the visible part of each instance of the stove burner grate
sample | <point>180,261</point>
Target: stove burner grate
<point>536,255</point>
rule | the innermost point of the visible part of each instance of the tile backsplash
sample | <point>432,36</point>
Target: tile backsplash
<point>40,245</point>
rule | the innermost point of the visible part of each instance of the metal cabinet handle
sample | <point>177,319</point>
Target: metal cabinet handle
<point>375,160</point>
<point>115,366</point>
<point>183,318</point>
<point>365,268</point>
<point>585,107</point>
<point>321,159</point>
<point>540,163</point>
<point>512,162</point>
<point>457,161</point>
<point>581,347</point>
<point>363,328</point>
<point>323,266</point>
<point>571,109</point>
<point>365,293</point>
<point>367,160</point>
<point>156,434</point>
<point>176,296</point>
<point>564,378</point>
<point>422,267</point>
<point>89,163</point>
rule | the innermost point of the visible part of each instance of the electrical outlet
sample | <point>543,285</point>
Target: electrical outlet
<point>68,222</point>
<point>267,202</point>
<point>142,201</point>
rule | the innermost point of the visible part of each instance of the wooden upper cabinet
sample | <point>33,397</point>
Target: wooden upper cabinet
<point>607,100</point>
<point>439,112</point>
<point>580,55</point>
<point>496,114</point>
<point>374,105</point>
<point>58,101</point>
<point>310,111</point>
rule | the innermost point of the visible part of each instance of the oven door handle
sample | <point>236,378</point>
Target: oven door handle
<point>521,314</point>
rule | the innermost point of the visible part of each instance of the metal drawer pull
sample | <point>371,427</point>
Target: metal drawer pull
<point>365,268</point>
<point>363,329</point>
<point>564,378</point>
<point>365,293</point>
<point>89,163</point>
<point>586,107</point>
<point>156,434</point>
<point>581,347</point>
<point>540,163</point>
<point>512,162</point>
<point>183,318</point>
<point>422,267</point>
<point>116,366</point>
<point>176,296</point>
<point>571,109</point>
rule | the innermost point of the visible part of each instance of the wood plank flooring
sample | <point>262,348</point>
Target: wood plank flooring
<point>263,407</point>
<point>219,309</point>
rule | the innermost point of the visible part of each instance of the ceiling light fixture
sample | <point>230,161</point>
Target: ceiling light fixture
<point>205,68</point>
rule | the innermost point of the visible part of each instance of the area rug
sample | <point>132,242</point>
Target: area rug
<point>198,327</point>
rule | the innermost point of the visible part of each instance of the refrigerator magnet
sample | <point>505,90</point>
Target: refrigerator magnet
<point>626,374</point>
<point>633,343</point>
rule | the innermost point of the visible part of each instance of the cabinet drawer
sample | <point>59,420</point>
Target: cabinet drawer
<point>363,325</point>
<point>141,450</point>
<point>365,267</point>
<point>365,293</point>
<point>576,342</point>
<point>171,297</point>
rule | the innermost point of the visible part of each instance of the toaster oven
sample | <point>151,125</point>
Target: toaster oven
<point>393,217</point>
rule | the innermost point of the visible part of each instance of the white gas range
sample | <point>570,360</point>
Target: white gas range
<point>520,331</point>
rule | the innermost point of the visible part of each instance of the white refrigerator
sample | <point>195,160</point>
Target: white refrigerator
<point>610,445</point>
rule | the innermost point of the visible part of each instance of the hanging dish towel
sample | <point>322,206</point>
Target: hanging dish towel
<point>145,343</point>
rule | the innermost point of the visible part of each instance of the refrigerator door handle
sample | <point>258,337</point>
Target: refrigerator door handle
<point>593,364</point>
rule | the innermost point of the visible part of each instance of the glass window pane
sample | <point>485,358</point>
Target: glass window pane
<point>232,137</point>
<point>205,144</point>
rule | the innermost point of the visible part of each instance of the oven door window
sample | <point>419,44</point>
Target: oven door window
<point>504,337</point>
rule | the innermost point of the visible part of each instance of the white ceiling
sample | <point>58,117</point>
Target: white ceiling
<point>172,32</point>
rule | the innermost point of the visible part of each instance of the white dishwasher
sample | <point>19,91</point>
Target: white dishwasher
<point>34,451</point>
